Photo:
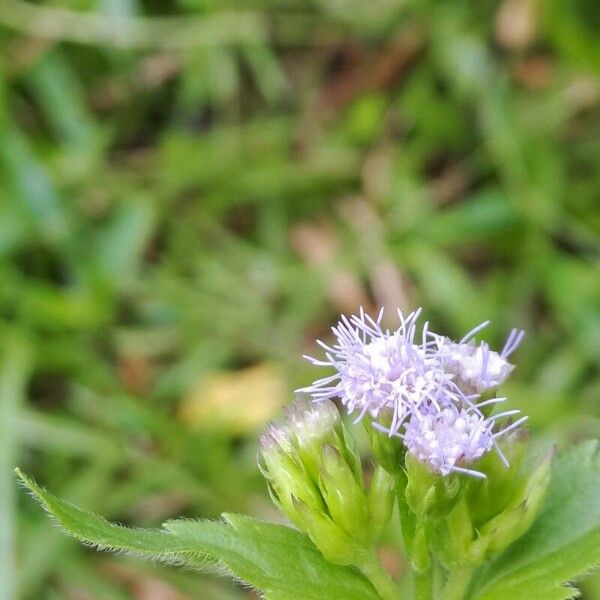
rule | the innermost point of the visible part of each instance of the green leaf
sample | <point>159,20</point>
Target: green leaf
<point>92,529</point>
<point>562,544</point>
<point>276,559</point>
<point>279,561</point>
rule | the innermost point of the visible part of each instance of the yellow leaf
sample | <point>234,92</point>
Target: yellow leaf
<point>237,402</point>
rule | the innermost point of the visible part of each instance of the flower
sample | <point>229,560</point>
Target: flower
<point>476,367</point>
<point>425,392</point>
<point>448,439</point>
<point>378,370</point>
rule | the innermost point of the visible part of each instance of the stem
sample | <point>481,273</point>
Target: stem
<point>457,583</point>
<point>439,576</point>
<point>380,578</point>
<point>423,584</point>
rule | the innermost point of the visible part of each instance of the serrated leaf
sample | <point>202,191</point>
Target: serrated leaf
<point>97,531</point>
<point>562,544</point>
<point>277,560</point>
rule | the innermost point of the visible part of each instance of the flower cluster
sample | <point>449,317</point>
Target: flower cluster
<point>428,392</point>
<point>315,477</point>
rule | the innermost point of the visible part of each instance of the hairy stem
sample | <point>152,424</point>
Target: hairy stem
<point>439,576</point>
<point>380,578</point>
<point>423,585</point>
<point>457,583</point>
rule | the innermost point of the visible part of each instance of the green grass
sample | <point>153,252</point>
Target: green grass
<point>182,197</point>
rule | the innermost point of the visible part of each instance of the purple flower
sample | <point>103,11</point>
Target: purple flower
<point>379,370</point>
<point>447,440</point>
<point>450,436</point>
<point>431,387</point>
<point>476,367</point>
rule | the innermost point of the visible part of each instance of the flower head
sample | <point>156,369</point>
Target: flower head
<point>476,367</point>
<point>425,392</point>
<point>452,438</point>
<point>379,370</point>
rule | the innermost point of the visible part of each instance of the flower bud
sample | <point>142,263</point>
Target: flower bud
<point>428,497</point>
<point>387,449</point>
<point>343,494</point>
<point>455,546</point>
<point>315,478</point>
<point>333,543</point>
<point>380,500</point>
<point>428,492</point>
<point>286,476</point>
<point>521,510</point>
<point>310,426</point>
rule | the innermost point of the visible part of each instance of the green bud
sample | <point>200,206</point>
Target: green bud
<point>347,446</point>
<point>312,425</point>
<point>388,451</point>
<point>315,477</point>
<point>454,542</point>
<point>522,509</point>
<point>464,538</point>
<point>343,495</point>
<point>420,491</point>
<point>420,486</point>
<point>490,496</point>
<point>427,492</point>
<point>333,543</point>
<point>380,501</point>
<point>286,476</point>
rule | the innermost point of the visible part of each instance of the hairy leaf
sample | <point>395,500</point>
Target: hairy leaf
<point>275,559</point>
<point>97,531</point>
<point>279,560</point>
<point>562,544</point>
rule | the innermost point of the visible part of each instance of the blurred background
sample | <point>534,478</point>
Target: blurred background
<point>192,191</point>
